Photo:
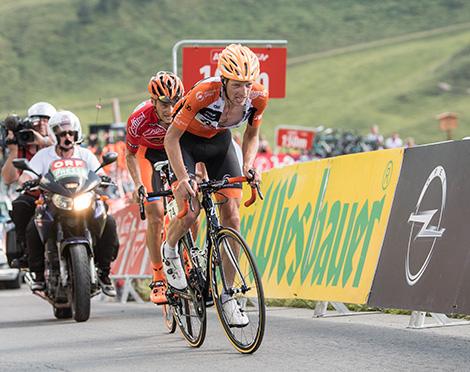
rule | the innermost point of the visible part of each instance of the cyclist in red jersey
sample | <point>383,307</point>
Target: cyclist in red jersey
<point>200,133</point>
<point>146,129</point>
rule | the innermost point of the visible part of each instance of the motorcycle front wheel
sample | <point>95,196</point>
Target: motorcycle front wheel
<point>80,282</point>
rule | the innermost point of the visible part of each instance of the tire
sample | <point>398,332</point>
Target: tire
<point>63,312</point>
<point>246,286</point>
<point>80,281</point>
<point>190,314</point>
<point>169,320</point>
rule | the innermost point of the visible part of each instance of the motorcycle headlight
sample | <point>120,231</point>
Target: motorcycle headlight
<point>83,201</point>
<point>62,202</point>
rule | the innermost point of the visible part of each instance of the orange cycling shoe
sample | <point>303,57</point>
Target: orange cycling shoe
<point>158,294</point>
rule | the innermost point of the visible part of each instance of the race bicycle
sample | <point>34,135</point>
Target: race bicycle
<point>223,266</point>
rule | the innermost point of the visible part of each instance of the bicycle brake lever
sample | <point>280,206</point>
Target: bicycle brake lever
<point>191,204</point>
<point>252,173</point>
<point>258,190</point>
<point>141,203</point>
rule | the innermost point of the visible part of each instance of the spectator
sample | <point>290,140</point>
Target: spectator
<point>394,141</point>
<point>93,144</point>
<point>410,142</point>
<point>375,138</point>
<point>263,146</point>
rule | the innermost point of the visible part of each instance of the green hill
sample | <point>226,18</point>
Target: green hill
<point>74,53</point>
<point>395,86</point>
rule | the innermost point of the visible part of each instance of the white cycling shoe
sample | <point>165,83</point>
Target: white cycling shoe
<point>236,317</point>
<point>173,269</point>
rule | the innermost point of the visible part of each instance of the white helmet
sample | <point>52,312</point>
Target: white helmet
<point>41,109</point>
<point>61,118</point>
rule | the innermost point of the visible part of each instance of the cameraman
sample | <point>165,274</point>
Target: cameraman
<point>38,115</point>
<point>67,129</point>
<point>23,207</point>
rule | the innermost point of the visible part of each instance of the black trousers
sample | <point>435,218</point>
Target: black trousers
<point>22,212</point>
<point>105,250</point>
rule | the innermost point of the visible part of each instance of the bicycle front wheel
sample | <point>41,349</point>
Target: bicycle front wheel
<point>234,275</point>
<point>190,309</point>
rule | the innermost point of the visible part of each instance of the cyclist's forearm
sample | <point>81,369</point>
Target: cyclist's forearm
<point>250,146</point>
<point>133,167</point>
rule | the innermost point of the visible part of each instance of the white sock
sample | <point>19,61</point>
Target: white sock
<point>225,297</point>
<point>169,252</point>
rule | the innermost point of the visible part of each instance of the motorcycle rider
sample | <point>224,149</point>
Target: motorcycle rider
<point>67,129</point>
<point>23,207</point>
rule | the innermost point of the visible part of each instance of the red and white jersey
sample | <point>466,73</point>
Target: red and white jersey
<point>143,128</point>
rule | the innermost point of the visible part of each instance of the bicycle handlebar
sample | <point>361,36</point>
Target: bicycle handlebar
<point>210,185</point>
<point>255,191</point>
<point>143,196</point>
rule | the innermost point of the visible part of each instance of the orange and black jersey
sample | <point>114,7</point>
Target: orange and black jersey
<point>199,111</point>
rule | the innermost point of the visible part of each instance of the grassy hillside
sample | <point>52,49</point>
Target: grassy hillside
<point>395,86</point>
<point>74,53</point>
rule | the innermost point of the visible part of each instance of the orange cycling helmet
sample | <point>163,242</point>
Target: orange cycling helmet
<point>166,87</point>
<point>237,62</point>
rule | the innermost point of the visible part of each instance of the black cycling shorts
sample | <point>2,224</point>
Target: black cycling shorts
<point>217,153</point>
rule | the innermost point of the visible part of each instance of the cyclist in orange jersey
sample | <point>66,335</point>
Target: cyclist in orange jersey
<point>146,129</point>
<point>200,133</point>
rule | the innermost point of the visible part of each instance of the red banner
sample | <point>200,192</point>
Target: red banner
<point>294,138</point>
<point>201,63</point>
<point>133,257</point>
<point>264,162</point>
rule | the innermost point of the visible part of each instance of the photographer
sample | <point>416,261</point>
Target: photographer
<point>25,137</point>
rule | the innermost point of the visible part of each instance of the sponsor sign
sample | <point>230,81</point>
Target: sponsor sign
<point>294,138</point>
<point>264,162</point>
<point>201,62</point>
<point>425,259</point>
<point>133,257</point>
<point>318,233</point>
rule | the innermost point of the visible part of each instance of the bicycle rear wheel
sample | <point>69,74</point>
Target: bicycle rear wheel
<point>168,319</point>
<point>234,274</point>
<point>190,309</point>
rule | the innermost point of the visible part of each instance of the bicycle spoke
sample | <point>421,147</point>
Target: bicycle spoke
<point>190,312</point>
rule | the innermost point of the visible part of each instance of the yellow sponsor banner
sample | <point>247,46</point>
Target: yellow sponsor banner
<point>318,233</point>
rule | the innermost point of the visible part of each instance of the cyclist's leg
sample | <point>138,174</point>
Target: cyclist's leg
<point>180,226</point>
<point>154,211</point>
<point>229,209</point>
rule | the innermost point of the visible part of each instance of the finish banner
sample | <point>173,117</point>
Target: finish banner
<point>425,259</point>
<point>201,62</point>
<point>318,233</point>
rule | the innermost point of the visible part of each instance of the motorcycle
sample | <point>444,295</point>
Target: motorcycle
<point>70,216</point>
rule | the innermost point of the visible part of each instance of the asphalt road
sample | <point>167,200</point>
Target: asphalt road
<point>131,337</point>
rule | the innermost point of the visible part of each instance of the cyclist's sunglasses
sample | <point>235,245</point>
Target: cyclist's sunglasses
<point>72,133</point>
<point>165,99</point>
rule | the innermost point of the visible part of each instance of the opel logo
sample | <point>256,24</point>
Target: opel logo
<point>421,222</point>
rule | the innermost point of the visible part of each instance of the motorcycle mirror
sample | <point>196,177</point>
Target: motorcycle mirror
<point>108,158</point>
<point>23,164</point>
